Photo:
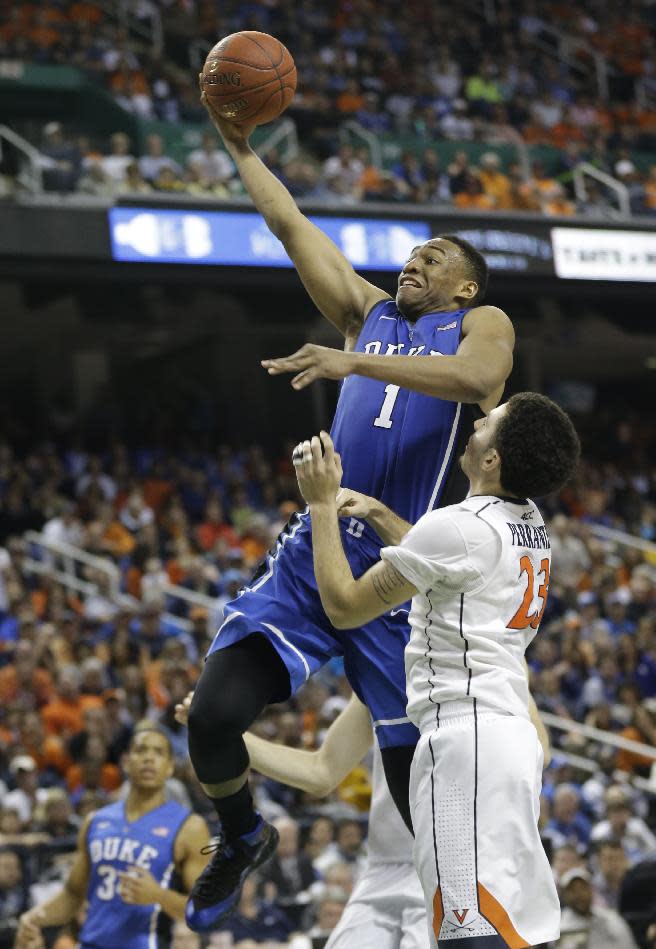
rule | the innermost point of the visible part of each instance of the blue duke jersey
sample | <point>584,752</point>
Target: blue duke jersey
<point>115,844</point>
<point>398,445</point>
<point>402,448</point>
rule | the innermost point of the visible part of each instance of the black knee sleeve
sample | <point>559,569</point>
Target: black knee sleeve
<point>234,687</point>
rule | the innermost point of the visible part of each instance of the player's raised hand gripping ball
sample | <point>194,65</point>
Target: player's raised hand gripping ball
<point>249,77</point>
<point>318,469</point>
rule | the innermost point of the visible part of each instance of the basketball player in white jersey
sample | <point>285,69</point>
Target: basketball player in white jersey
<point>386,909</point>
<point>478,573</point>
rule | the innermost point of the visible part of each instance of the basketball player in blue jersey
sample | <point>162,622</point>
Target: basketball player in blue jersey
<point>135,863</point>
<point>417,370</point>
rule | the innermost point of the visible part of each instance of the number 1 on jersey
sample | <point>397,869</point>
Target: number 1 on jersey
<point>384,420</point>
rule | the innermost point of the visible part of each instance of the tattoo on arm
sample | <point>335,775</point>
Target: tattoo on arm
<point>386,582</point>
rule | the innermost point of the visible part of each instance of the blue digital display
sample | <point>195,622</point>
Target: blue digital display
<point>241,238</point>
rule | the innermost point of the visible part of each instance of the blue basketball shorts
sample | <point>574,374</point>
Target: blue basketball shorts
<point>282,602</point>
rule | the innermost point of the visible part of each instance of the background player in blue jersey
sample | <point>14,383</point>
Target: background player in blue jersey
<point>400,424</point>
<point>136,861</point>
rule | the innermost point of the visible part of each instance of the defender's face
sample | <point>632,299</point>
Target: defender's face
<point>481,440</point>
<point>430,279</point>
<point>149,761</point>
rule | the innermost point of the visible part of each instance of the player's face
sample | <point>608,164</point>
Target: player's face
<point>480,441</point>
<point>149,761</point>
<point>432,278</point>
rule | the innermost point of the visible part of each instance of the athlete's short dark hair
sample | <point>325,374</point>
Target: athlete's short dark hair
<point>538,445</point>
<point>477,268</point>
<point>145,725</point>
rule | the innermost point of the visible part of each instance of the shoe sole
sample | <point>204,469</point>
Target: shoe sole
<point>227,906</point>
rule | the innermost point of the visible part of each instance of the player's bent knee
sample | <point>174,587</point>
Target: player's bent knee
<point>215,720</point>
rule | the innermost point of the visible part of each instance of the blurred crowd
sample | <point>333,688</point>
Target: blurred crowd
<point>80,665</point>
<point>434,76</point>
<point>346,177</point>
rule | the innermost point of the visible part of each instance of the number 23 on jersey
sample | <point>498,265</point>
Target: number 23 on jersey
<point>537,585</point>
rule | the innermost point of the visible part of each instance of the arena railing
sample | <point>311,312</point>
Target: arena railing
<point>369,139</point>
<point>32,180</point>
<point>284,133</point>
<point>620,190</point>
<point>65,562</point>
<point>620,777</point>
<point>153,32</point>
<point>645,91</point>
<point>603,738</point>
<point>613,535</point>
<point>197,52</point>
<point>66,559</point>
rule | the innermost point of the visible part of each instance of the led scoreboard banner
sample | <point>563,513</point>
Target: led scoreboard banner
<point>182,236</point>
<point>241,238</point>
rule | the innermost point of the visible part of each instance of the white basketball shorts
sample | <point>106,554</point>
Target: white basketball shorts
<point>386,911</point>
<point>474,795</point>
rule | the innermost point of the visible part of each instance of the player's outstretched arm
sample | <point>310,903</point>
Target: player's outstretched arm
<point>475,374</point>
<point>348,603</point>
<point>318,772</point>
<point>65,905</point>
<point>341,295</point>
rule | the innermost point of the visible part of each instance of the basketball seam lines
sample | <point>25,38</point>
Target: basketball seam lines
<point>267,53</point>
<point>273,65</point>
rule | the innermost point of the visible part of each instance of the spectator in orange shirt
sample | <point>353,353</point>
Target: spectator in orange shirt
<point>52,14</point>
<point>172,658</point>
<point>64,715</point>
<point>351,99</point>
<point>556,202</point>
<point>522,192</point>
<point>43,34</point>
<point>117,539</point>
<point>650,190</point>
<point>567,130</point>
<point>256,539</point>
<point>22,682</point>
<point>127,80</point>
<point>472,196</point>
<point>81,12</point>
<point>48,751</point>
<point>214,527</point>
<point>94,771</point>
<point>14,26</point>
<point>641,729</point>
<point>495,183</point>
<point>157,488</point>
<point>541,182</point>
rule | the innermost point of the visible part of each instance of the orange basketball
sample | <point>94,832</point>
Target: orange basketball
<point>249,77</point>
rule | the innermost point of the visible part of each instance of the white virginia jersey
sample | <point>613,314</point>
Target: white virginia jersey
<point>388,840</point>
<point>482,571</point>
